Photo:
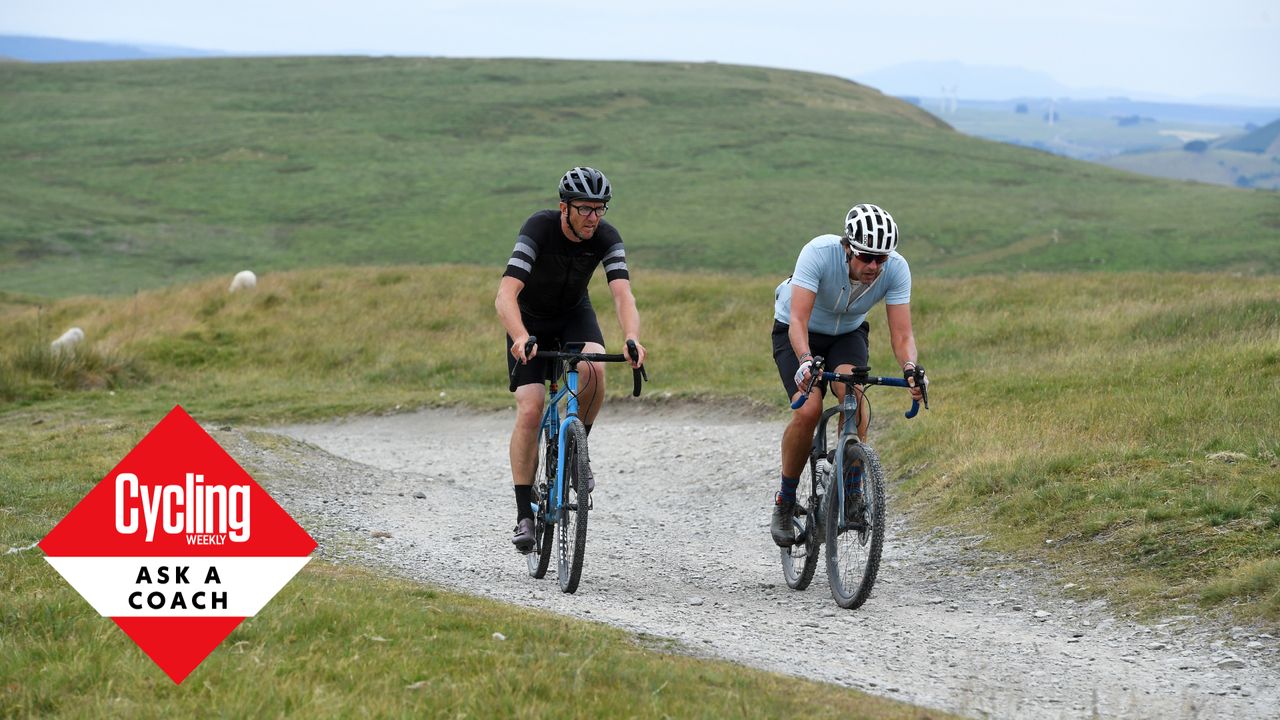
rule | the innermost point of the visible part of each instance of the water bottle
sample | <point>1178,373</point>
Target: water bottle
<point>823,468</point>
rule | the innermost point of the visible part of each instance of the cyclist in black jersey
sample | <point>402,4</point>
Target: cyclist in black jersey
<point>543,294</point>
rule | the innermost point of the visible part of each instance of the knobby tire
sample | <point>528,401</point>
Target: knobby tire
<point>853,555</point>
<point>800,560</point>
<point>572,528</point>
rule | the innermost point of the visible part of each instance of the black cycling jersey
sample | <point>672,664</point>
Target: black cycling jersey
<point>556,270</point>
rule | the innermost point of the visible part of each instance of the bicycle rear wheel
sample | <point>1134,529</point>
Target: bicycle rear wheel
<point>801,559</point>
<point>855,537</point>
<point>543,534</point>
<point>571,530</point>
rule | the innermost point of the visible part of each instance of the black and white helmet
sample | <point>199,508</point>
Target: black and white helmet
<point>868,228</point>
<point>584,183</point>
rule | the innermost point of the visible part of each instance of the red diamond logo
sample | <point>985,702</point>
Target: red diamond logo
<point>177,545</point>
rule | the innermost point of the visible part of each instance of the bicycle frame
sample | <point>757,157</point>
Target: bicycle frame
<point>551,423</point>
<point>848,406</point>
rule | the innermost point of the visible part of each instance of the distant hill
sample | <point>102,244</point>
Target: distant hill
<point>1237,116</point>
<point>124,176</point>
<point>44,49</point>
<point>978,82</point>
<point>993,82</point>
<point>1264,140</point>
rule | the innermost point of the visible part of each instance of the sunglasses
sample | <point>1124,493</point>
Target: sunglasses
<point>871,258</point>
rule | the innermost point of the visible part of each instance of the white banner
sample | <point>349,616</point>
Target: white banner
<point>178,586</point>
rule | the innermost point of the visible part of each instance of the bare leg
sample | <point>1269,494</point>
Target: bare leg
<point>591,386</point>
<point>524,437</point>
<point>798,437</point>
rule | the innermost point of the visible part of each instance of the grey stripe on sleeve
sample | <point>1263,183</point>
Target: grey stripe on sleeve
<point>525,246</point>
<point>615,265</point>
<point>620,252</point>
<point>517,262</point>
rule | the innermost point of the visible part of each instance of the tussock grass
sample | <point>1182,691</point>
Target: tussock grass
<point>1124,423</point>
<point>34,372</point>
<point>1121,426</point>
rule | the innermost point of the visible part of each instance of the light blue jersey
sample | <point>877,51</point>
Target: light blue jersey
<point>842,304</point>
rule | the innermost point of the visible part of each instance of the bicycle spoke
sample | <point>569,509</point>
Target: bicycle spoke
<point>855,525</point>
<point>801,559</point>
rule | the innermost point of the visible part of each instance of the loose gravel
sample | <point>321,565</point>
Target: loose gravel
<point>679,548</point>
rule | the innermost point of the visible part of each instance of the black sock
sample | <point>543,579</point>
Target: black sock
<point>524,498</point>
<point>588,427</point>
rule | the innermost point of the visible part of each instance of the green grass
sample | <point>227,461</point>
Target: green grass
<point>1221,166</point>
<point>340,642</point>
<point>1121,416</point>
<point>1118,423</point>
<point>120,176</point>
<point>337,641</point>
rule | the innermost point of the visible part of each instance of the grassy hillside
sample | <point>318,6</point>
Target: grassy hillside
<point>1260,141</point>
<point>1214,165</point>
<point>1121,424</point>
<point>119,176</point>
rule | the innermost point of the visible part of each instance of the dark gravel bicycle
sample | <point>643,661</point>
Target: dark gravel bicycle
<point>561,497</point>
<point>843,504</point>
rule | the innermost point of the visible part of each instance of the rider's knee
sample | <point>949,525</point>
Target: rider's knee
<point>595,378</point>
<point>806,418</point>
<point>528,411</point>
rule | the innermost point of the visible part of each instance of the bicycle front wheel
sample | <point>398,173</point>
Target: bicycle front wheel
<point>854,521</point>
<point>571,531</point>
<point>801,559</point>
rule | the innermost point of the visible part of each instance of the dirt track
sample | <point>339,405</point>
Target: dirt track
<point>679,548</point>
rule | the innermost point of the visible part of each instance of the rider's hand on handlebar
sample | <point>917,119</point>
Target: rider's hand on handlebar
<point>803,372</point>
<point>916,380</point>
<point>640,352</point>
<point>518,351</point>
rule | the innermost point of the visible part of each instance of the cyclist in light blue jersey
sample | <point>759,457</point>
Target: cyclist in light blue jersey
<point>822,310</point>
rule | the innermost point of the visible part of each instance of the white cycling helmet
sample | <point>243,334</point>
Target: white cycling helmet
<point>868,228</point>
<point>585,183</point>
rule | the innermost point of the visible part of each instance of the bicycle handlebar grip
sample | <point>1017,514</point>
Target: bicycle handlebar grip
<point>816,369</point>
<point>637,374</point>
<point>528,346</point>
<point>915,408</point>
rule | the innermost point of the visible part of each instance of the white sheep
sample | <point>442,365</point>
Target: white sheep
<point>244,280</point>
<point>68,341</point>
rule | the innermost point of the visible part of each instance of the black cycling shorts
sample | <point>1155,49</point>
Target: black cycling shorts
<point>577,325</point>
<point>848,349</point>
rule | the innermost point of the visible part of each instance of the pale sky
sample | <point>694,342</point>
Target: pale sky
<point>1184,49</point>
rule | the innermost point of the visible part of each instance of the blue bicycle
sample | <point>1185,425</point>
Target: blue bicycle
<point>843,505</point>
<point>561,496</point>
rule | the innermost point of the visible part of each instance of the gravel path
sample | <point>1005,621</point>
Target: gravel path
<point>679,548</point>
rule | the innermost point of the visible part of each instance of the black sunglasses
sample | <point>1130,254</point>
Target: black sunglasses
<point>872,258</point>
